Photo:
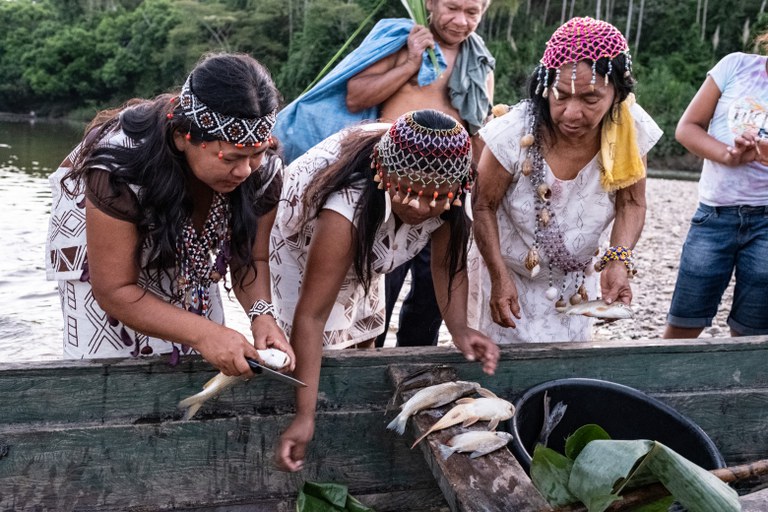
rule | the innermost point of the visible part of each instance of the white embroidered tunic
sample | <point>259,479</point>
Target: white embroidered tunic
<point>583,211</point>
<point>355,317</point>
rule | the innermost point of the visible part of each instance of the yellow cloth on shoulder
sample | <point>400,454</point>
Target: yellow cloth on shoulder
<point>622,164</point>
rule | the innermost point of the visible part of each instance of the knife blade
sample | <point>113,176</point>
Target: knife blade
<point>259,368</point>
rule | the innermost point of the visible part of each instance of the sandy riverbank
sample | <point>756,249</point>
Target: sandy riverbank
<point>671,204</point>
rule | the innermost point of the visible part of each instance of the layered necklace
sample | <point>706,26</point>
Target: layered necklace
<point>547,235</point>
<point>196,270</point>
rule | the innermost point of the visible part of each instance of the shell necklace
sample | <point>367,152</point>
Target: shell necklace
<point>547,236</point>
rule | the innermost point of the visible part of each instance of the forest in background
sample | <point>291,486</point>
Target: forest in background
<point>74,57</point>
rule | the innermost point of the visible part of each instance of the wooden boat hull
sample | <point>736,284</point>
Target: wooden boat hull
<point>106,435</point>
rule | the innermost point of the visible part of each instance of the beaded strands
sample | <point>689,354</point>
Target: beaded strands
<point>548,239</point>
<point>196,271</point>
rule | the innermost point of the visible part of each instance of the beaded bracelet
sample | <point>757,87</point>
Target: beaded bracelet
<point>617,253</point>
<point>261,307</point>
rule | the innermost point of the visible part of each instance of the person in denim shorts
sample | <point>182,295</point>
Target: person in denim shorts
<point>725,124</point>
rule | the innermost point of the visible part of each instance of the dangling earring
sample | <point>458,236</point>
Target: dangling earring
<point>468,205</point>
<point>387,203</point>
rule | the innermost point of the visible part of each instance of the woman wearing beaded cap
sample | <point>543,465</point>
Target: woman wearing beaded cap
<point>558,168</point>
<point>166,194</point>
<point>352,209</point>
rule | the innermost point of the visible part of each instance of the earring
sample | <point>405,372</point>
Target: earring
<point>468,205</point>
<point>387,203</point>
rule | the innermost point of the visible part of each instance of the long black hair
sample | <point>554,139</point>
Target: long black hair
<point>353,170</point>
<point>232,84</point>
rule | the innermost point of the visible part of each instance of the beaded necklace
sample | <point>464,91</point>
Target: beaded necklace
<point>547,236</point>
<point>195,270</point>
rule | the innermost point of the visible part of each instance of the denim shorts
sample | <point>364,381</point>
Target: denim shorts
<point>720,240</point>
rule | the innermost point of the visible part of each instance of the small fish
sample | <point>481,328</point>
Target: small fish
<point>551,419</point>
<point>422,378</point>
<point>272,357</point>
<point>599,309</point>
<point>479,442</point>
<point>471,410</point>
<point>434,396</point>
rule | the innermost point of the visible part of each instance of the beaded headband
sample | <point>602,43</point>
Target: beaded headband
<point>425,155</point>
<point>581,39</point>
<point>235,130</point>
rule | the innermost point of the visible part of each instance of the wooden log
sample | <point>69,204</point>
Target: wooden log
<point>495,481</point>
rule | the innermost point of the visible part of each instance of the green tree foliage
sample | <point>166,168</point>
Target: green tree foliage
<point>58,55</point>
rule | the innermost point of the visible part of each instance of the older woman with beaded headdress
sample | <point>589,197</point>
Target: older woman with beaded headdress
<point>353,208</point>
<point>154,206</point>
<point>558,168</point>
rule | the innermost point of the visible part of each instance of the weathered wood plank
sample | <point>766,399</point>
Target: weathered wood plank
<point>495,481</point>
<point>141,391</point>
<point>186,464</point>
<point>105,436</point>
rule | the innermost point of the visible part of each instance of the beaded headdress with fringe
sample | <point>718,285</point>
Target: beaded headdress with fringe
<point>577,40</point>
<point>425,155</point>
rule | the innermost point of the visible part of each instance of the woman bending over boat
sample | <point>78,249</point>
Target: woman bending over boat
<point>557,169</point>
<point>353,208</point>
<point>151,209</point>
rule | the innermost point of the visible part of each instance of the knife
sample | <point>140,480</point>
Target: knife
<point>259,368</point>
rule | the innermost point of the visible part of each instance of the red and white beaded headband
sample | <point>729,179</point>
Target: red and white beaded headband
<point>235,130</point>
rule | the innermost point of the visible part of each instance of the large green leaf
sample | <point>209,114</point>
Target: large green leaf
<point>605,468</point>
<point>327,497</point>
<point>550,472</point>
<point>597,470</point>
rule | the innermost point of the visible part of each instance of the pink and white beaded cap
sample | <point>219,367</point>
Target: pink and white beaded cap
<point>583,39</point>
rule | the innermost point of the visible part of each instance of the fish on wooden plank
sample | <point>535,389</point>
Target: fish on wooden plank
<point>272,358</point>
<point>469,411</point>
<point>479,442</point>
<point>435,396</point>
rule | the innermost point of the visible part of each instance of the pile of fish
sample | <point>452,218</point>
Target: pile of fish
<point>466,412</point>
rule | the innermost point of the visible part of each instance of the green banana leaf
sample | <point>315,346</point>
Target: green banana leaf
<point>602,469</point>
<point>327,497</point>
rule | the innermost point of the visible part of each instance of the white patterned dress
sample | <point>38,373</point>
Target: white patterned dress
<point>355,317</point>
<point>583,211</point>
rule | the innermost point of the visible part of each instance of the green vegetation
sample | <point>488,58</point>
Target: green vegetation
<point>59,57</point>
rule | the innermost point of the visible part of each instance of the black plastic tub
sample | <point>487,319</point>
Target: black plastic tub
<point>625,413</point>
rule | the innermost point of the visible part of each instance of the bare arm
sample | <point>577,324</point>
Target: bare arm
<point>330,257</point>
<point>376,84</point>
<point>453,306</point>
<point>264,328</point>
<point>692,128</point>
<point>492,184</point>
<point>627,228</point>
<point>112,244</point>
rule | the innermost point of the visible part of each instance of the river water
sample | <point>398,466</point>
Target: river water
<point>30,315</point>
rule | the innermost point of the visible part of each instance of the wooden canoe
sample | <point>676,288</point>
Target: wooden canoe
<point>106,435</point>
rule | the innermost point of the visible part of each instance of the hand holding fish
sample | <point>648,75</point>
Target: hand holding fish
<point>614,284</point>
<point>267,334</point>
<point>476,346</point>
<point>270,358</point>
<point>504,303</point>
